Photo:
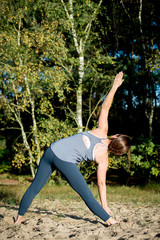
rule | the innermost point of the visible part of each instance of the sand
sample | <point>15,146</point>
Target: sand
<point>59,220</point>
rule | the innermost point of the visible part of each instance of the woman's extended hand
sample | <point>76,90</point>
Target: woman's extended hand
<point>118,80</point>
<point>111,221</point>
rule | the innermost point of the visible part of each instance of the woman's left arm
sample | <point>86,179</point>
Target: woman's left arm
<point>101,181</point>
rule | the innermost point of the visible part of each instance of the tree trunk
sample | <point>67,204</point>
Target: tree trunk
<point>30,97</point>
<point>79,93</point>
<point>115,24</point>
<point>150,113</point>
<point>79,49</point>
<point>33,120</point>
<point>31,158</point>
<point>80,46</point>
<point>24,137</point>
<point>17,113</point>
<point>151,118</point>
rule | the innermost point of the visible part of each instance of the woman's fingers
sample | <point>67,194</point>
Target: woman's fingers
<point>118,79</point>
<point>111,221</point>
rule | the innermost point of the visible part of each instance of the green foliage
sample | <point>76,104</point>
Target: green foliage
<point>50,130</point>
<point>118,162</point>
<point>146,158</point>
<point>20,159</point>
<point>145,162</point>
<point>5,167</point>
<point>31,79</point>
<point>88,170</point>
<point>154,62</point>
<point>36,44</point>
<point>3,150</point>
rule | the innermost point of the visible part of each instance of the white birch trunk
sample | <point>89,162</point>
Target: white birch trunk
<point>24,137</point>
<point>79,94</point>
<point>33,120</point>
<point>17,112</point>
<point>31,158</point>
<point>79,49</point>
<point>80,46</point>
<point>30,98</point>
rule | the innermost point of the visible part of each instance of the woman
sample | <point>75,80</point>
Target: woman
<point>66,153</point>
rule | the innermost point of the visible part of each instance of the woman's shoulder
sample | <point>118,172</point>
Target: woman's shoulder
<point>100,153</point>
<point>100,133</point>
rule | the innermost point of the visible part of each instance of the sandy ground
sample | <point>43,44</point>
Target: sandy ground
<point>57,220</point>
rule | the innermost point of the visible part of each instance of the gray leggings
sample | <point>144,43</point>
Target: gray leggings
<point>70,171</point>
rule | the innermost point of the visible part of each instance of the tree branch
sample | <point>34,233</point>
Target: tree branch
<point>67,70</point>
<point>2,129</point>
<point>88,27</point>
<point>92,113</point>
<point>33,119</point>
<point>17,106</point>
<point>125,9</point>
<point>71,18</point>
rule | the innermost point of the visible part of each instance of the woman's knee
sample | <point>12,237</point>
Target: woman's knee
<point>33,190</point>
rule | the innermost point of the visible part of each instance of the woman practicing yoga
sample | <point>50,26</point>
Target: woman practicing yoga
<point>66,153</point>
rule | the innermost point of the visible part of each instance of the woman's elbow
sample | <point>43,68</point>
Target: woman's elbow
<point>101,184</point>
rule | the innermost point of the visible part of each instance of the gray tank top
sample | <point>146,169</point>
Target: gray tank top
<point>73,149</point>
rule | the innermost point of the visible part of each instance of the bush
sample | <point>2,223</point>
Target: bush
<point>145,159</point>
<point>5,166</point>
<point>88,170</point>
<point>145,164</point>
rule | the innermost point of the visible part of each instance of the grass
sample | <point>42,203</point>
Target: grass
<point>149,194</point>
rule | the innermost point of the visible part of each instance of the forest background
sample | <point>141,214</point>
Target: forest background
<point>58,61</point>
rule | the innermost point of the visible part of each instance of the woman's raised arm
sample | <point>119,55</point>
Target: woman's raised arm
<point>103,117</point>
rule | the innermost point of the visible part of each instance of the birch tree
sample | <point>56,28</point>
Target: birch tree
<point>80,43</point>
<point>25,77</point>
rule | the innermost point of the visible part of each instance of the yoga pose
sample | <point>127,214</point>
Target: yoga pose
<point>66,153</point>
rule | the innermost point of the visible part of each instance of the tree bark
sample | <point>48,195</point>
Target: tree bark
<point>24,137</point>
<point>16,111</point>
<point>33,120</point>
<point>80,47</point>
<point>150,113</point>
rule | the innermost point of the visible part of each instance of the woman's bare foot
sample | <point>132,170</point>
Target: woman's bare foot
<point>111,221</point>
<point>18,220</point>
